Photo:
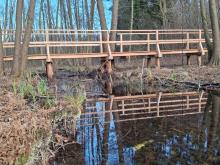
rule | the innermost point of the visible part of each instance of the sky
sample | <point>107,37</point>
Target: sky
<point>107,6</point>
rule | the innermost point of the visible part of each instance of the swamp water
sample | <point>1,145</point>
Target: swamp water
<point>157,128</point>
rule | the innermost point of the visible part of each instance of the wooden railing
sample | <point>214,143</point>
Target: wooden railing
<point>149,106</point>
<point>65,44</point>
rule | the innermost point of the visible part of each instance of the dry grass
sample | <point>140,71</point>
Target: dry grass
<point>26,129</point>
<point>20,128</point>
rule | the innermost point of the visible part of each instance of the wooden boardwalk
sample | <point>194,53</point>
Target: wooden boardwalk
<point>57,44</point>
<point>139,107</point>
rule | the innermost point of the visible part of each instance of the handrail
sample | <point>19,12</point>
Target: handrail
<point>150,40</point>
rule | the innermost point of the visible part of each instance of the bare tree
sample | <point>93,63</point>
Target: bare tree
<point>215,59</point>
<point>17,55</point>
<point>27,35</point>
<point>1,53</point>
<point>114,22</point>
<point>102,22</point>
<point>206,27</point>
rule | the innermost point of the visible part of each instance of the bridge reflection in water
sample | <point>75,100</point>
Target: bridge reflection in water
<point>160,128</point>
<point>145,106</point>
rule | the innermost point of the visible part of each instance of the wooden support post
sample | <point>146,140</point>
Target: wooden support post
<point>148,62</point>
<point>188,59</point>
<point>157,62</point>
<point>49,70</point>
<point>49,63</point>
<point>199,59</point>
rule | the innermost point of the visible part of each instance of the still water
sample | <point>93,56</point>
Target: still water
<point>156,128</point>
<point>159,128</point>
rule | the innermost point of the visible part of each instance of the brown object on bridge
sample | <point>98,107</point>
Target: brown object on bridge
<point>149,43</point>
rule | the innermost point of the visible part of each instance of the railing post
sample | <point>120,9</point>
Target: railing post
<point>110,57</point>
<point>121,42</point>
<point>187,42</point>
<point>187,102</point>
<point>49,63</point>
<point>148,42</point>
<point>201,49</point>
<point>101,44</point>
<point>159,55</point>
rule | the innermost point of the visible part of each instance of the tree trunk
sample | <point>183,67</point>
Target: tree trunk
<point>215,59</point>
<point>206,28</point>
<point>103,23</point>
<point>6,15</point>
<point>27,35</point>
<point>49,15</point>
<point>114,23</point>
<point>1,54</point>
<point>17,55</point>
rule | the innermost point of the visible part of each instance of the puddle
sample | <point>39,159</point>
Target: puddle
<point>158,128</point>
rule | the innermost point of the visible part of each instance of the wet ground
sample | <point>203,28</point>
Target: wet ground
<point>151,123</point>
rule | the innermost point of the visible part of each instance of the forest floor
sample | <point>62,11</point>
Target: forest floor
<point>31,121</point>
<point>194,74</point>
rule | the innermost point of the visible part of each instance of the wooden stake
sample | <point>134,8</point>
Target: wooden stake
<point>199,58</point>
<point>188,59</point>
<point>158,62</point>
<point>148,62</point>
<point>49,70</point>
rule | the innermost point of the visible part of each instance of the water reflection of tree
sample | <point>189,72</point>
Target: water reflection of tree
<point>213,103</point>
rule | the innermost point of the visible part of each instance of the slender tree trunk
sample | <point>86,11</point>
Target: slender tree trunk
<point>1,54</point>
<point>163,11</point>
<point>17,55</point>
<point>102,23</point>
<point>69,7</point>
<point>27,35</point>
<point>6,15</point>
<point>215,59</point>
<point>49,15</point>
<point>92,11</point>
<point>114,23</point>
<point>206,28</point>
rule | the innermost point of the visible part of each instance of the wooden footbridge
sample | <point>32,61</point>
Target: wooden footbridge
<point>139,107</point>
<point>59,44</point>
